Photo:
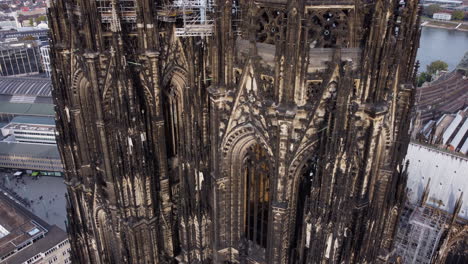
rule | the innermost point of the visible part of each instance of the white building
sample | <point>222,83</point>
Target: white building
<point>442,16</point>
<point>36,130</point>
<point>45,50</point>
<point>443,172</point>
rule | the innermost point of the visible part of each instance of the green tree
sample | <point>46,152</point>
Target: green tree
<point>430,10</point>
<point>424,77</point>
<point>458,15</point>
<point>436,66</point>
<point>39,19</point>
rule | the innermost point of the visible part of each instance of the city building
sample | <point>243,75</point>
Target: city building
<point>450,132</point>
<point>19,58</point>
<point>8,23</point>
<point>27,239</point>
<point>46,59</point>
<point>442,16</point>
<point>15,35</point>
<point>35,130</point>
<point>39,158</point>
<point>441,112</point>
<point>31,89</point>
<point>9,110</point>
<point>434,224</point>
<point>445,95</point>
<point>25,96</point>
<point>444,2</point>
<point>235,131</point>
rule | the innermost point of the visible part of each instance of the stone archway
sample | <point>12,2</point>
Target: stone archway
<point>244,207</point>
<point>104,242</point>
<point>303,171</point>
<point>174,85</point>
<point>82,111</point>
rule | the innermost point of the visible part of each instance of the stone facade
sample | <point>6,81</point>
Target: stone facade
<point>277,139</point>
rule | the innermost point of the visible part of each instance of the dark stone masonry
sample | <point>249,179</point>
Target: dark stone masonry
<point>266,131</point>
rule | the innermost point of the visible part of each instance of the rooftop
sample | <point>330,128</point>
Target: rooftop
<point>6,46</point>
<point>53,237</point>
<point>29,150</point>
<point>447,94</point>
<point>21,226</point>
<point>34,120</point>
<point>447,175</point>
<point>29,109</point>
<point>26,86</point>
<point>31,127</point>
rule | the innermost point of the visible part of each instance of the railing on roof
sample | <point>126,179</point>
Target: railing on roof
<point>126,10</point>
<point>195,16</point>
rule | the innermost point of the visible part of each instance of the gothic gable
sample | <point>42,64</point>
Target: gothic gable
<point>249,106</point>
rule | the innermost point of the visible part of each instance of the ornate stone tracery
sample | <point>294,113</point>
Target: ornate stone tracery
<point>270,142</point>
<point>328,28</point>
<point>271,25</point>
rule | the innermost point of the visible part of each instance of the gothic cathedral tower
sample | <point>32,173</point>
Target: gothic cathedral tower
<point>233,131</point>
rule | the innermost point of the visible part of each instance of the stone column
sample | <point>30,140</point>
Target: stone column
<point>159,142</point>
<point>218,181</point>
<point>278,229</point>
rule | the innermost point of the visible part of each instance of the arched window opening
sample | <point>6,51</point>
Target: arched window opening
<point>302,227</point>
<point>103,233</point>
<point>172,116</point>
<point>256,171</point>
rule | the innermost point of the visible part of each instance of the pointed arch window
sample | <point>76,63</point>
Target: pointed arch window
<point>256,173</point>
<point>303,227</point>
<point>173,119</point>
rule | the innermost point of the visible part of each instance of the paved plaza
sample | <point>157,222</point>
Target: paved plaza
<point>45,196</point>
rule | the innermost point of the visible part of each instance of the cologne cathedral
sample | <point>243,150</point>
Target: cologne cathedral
<point>233,131</point>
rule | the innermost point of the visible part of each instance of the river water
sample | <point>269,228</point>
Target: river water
<point>442,44</point>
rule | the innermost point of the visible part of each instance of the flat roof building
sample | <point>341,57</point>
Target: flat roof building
<point>9,110</point>
<point>443,172</point>
<point>442,16</point>
<point>37,33</point>
<point>34,157</point>
<point>25,129</point>
<point>436,211</point>
<point>20,58</point>
<point>444,2</point>
<point>28,86</point>
<point>25,238</point>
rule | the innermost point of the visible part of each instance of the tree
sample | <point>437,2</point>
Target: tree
<point>436,66</point>
<point>39,19</point>
<point>458,15</point>
<point>424,77</point>
<point>430,10</point>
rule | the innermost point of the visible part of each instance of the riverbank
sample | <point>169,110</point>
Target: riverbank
<point>442,44</point>
<point>446,25</point>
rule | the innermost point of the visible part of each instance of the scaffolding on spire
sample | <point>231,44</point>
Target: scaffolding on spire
<point>192,17</point>
<point>421,228</point>
<point>125,8</point>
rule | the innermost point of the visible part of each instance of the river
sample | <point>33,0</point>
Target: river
<point>442,44</point>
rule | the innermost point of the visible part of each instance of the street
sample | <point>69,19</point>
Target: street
<point>45,196</point>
